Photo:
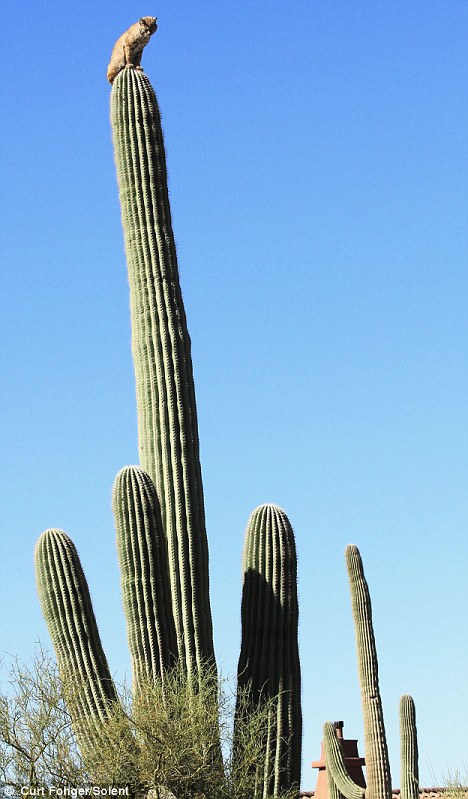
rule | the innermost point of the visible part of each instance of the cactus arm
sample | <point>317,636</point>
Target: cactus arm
<point>378,777</point>
<point>167,416</point>
<point>269,661</point>
<point>67,609</point>
<point>409,785</point>
<point>333,791</point>
<point>337,773</point>
<point>144,575</point>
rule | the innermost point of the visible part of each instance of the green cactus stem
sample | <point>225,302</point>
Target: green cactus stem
<point>167,415</point>
<point>376,752</point>
<point>377,762</point>
<point>409,785</point>
<point>333,791</point>
<point>339,781</point>
<point>269,660</point>
<point>144,575</point>
<point>67,609</point>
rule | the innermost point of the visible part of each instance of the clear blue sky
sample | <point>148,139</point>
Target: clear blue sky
<point>318,177</point>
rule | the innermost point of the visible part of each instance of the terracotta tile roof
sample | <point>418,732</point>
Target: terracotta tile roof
<point>424,793</point>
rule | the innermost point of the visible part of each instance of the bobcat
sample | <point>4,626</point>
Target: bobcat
<point>128,48</point>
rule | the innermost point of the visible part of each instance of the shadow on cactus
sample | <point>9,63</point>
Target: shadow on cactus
<point>180,735</point>
<point>269,669</point>
<point>260,686</point>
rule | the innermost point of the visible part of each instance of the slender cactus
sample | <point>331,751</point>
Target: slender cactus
<point>377,762</point>
<point>378,777</point>
<point>144,575</point>
<point>269,660</point>
<point>167,416</point>
<point>67,609</point>
<point>409,784</point>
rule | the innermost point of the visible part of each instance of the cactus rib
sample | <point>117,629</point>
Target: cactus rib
<point>144,575</point>
<point>409,784</point>
<point>337,772</point>
<point>377,761</point>
<point>67,609</point>
<point>269,661</point>
<point>167,416</point>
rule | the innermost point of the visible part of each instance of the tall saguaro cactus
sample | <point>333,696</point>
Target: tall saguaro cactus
<point>167,415</point>
<point>269,659</point>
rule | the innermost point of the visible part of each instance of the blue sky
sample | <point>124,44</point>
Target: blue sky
<point>318,178</point>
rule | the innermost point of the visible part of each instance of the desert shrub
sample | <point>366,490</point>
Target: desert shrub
<point>165,740</point>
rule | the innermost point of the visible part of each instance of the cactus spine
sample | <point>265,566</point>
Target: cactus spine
<point>409,784</point>
<point>269,660</point>
<point>144,575</point>
<point>67,609</point>
<point>167,416</point>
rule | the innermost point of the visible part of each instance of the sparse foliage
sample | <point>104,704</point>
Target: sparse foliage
<point>165,740</point>
<point>456,785</point>
<point>37,743</point>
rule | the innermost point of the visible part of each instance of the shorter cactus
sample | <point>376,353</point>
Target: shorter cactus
<point>96,712</point>
<point>409,784</point>
<point>66,605</point>
<point>376,752</point>
<point>269,660</point>
<point>339,781</point>
<point>144,573</point>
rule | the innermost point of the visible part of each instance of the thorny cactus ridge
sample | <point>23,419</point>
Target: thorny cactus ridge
<point>144,574</point>
<point>66,606</point>
<point>409,779</point>
<point>376,751</point>
<point>339,781</point>
<point>269,660</point>
<point>167,415</point>
<point>377,761</point>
